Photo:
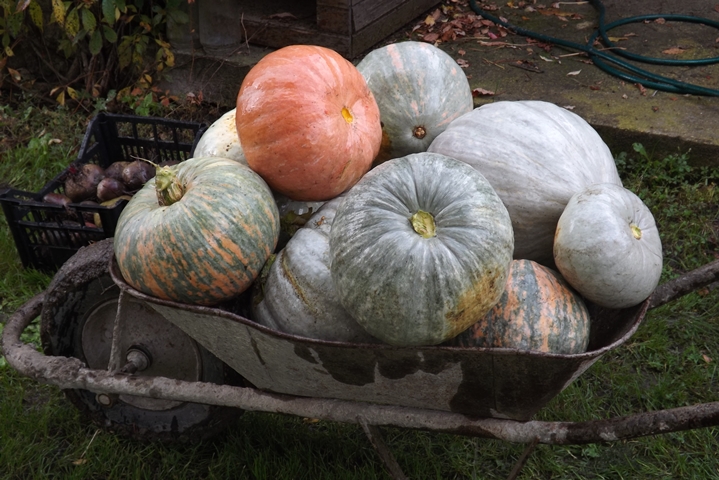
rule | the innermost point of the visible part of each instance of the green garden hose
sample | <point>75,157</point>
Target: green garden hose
<point>625,70</point>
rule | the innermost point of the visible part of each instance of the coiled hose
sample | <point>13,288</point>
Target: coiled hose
<point>610,61</point>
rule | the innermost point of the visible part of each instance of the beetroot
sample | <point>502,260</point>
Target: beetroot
<point>109,188</point>
<point>136,174</point>
<point>81,182</point>
<point>114,170</point>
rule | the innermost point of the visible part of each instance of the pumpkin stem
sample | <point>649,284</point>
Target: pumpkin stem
<point>168,187</point>
<point>423,224</point>
<point>347,115</point>
<point>419,132</point>
<point>636,231</point>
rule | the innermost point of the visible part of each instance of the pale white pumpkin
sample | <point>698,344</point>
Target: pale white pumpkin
<point>298,296</point>
<point>607,246</point>
<point>536,155</point>
<point>221,140</point>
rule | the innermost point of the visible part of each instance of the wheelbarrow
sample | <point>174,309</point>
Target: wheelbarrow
<point>152,368</point>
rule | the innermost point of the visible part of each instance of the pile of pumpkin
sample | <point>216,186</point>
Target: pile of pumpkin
<point>438,223</point>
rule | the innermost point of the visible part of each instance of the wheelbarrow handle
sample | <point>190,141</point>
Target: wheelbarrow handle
<point>686,283</point>
<point>71,373</point>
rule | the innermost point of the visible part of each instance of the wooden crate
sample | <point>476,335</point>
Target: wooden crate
<point>349,27</point>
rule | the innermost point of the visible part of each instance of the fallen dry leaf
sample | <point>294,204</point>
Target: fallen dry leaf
<point>462,63</point>
<point>660,21</point>
<point>15,74</point>
<point>706,358</point>
<point>674,51</point>
<point>283,15</point>
<point>569,107</point>
<point>481,92</point>
<point>576,72</point>
<point>431,37</point>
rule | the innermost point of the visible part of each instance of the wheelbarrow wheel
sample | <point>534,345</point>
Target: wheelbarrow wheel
<point>77,320</point>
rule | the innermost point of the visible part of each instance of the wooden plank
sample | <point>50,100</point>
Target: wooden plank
<point>346,4</point>
<point>333,19</point>
<point>366,12</point>
<point>278,34</point>
<point>391,22</point>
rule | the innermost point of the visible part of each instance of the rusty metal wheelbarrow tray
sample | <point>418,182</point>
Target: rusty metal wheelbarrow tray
<point>481,382</point>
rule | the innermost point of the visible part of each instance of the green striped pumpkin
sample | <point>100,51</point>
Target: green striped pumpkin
<point>538,311</point>
<point>419,89</point>
<point>208,242</point>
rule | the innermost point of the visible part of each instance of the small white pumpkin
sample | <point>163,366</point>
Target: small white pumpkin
<point>298,296</point>
<point>607,246</point>
<point>221,140</point>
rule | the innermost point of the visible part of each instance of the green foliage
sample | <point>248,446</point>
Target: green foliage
<point>111,40</point>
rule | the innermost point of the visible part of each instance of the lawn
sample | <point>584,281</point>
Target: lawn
<point>671,361</point>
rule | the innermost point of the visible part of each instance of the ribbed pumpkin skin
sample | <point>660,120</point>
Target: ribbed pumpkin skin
<point>608,247</point>
<point>403,288</point>
<point>207,247</point>
<point>538,311</point>
<point>221,140</point>
<point>298,296</point>
<point>307,122</point>
<point>536,155</point>
<point>420,89</point>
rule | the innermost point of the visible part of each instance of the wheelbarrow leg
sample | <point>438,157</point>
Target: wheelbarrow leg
<point>523,460</point>
<point>375,438</point>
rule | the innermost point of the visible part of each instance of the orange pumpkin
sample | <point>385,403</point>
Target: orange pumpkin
<point>308,123</point>
<point>538,311</point>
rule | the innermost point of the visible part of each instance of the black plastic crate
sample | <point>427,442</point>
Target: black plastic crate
<point>46,235</point>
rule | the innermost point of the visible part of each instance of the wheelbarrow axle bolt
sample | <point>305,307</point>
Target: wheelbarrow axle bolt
<point>138,359</point>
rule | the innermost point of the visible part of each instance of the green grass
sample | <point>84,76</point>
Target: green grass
<point>671,361</point>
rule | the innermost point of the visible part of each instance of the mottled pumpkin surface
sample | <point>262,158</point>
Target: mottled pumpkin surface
<point>420,89</point>
<point>538,311</point>
<point>207,247</point>
<point>410,284</point>
<point>298,296</point>
<point>536,155</point>
<point>307,122</point>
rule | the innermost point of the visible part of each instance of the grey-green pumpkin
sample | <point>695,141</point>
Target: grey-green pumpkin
<point>419,89</point>
<point>298,296</point>
<point>420,249</point>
